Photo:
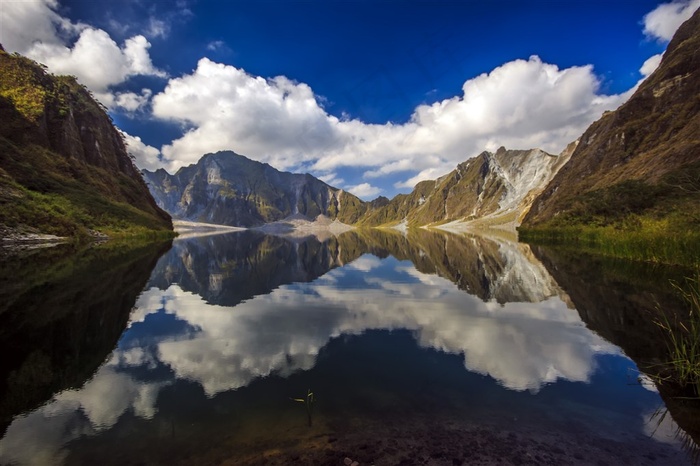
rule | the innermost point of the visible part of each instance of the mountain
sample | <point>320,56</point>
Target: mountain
<point>492,188</point>
<point>64,168</point>
<point>637,168</point>
<point>230,189</point>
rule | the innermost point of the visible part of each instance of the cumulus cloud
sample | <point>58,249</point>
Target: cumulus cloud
<point>650,64</point>
<point>276,120</point>
<point>521,104</point>
<point>145,156</point>
<point>662,22</point>
<point>131,101</point>
<point>522,345</point>
<point>27,22</point>
<point>364,190</point>
<point>41,436</point>
<point>332,179</point>
<point>34,28</point>
<point>96,60</point>
<point>533,338</point>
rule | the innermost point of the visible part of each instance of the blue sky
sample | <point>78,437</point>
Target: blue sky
<point>369,96</point>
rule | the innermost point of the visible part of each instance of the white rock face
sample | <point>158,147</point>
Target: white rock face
<point>526,174</point>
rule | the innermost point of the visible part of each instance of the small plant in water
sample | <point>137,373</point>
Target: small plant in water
<point>683,338</point>
<point>308,403</point>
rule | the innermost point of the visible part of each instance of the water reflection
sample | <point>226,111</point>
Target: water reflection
<point>621,301</point>
<point>61,315</point>
<point>239,320</point>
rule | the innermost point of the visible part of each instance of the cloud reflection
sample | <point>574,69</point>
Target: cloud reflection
<point>522,345</point>
<point>39,437</point>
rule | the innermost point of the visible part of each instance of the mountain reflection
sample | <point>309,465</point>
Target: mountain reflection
<point>220,312</point>
<point>229,268</point>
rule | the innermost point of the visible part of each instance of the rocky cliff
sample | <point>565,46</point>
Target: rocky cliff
<point>492,188</point>
<point>642,161</point>
<point>229,189</point>
<point>64,167</point>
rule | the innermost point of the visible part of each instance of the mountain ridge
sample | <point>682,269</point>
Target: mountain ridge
<point>496,186</point>
<point>231,189</point>
<point>641,162</point>
<point>64,168</point>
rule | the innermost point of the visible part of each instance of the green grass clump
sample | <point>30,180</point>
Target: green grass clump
<point>683,340</point>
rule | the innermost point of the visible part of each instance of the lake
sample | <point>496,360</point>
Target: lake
<point>372,346</point>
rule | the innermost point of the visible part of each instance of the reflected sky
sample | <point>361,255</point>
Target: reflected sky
<point>534,340</point>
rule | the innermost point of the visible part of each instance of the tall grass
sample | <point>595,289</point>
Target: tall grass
<point>647,244</point>
<point>683,339</point>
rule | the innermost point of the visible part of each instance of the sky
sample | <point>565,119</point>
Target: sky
<point>369,96</point>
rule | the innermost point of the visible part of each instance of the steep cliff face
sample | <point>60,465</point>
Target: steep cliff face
<point>229,189</point>
<point>490,188</point>
<point>64,167</point>
<point>643,158</point>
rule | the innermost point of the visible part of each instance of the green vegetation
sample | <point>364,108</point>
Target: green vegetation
<point>64,168</point>
<point>683,340</point>
<point>53,203</point>
<point>632,220</point>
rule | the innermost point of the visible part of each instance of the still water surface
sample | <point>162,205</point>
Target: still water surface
<point>426,348</point>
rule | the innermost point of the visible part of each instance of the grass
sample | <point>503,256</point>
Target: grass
<point>633,219</point>
<point>650,244</point>
<point>683,340</point>
<point>73,212</point>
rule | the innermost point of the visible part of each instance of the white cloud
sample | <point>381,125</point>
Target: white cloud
<point>145,156</point>
<point>157,28</point>
<point>33,28</point>
<point>364,190</point>
<point>22,23</point>
<point>650,64</point>
<point>132,102</point>
<point>215,45</point>
<point>41,436</point>
<point>397,166</point>
<point>426,174</point>
<point>331,179</point>
<point>275,120</point>
<point>365,263</point>
<point>662,22</point>
<point>521,104</point>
